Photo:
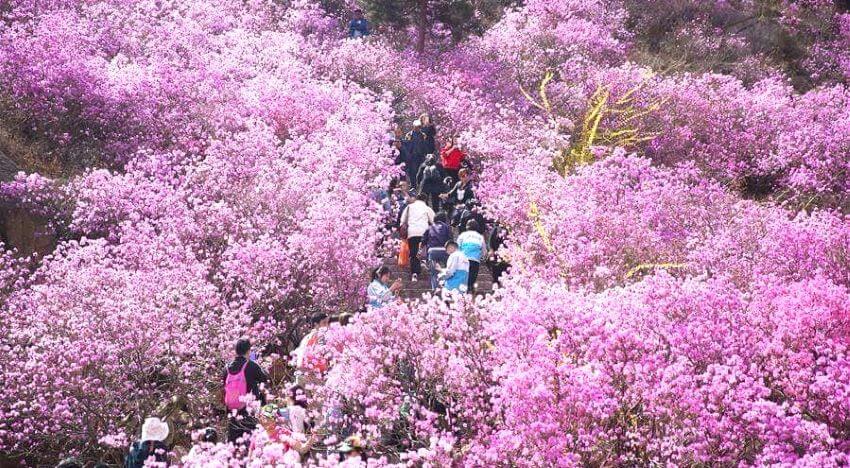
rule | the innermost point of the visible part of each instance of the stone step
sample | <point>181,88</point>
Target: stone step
<point>415,290</point>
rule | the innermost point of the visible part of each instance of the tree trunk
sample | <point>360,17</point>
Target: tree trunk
<point>421,24</point>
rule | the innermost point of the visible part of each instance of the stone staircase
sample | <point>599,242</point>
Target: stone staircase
<point>415,290</point>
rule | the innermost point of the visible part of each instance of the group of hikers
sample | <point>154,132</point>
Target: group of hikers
<point>287,420</point>
<point>437,218</point>
<point>426,208</point>
<point>434,200</point>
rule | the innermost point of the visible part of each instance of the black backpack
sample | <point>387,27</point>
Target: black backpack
<point>141,451</point>
<point>431,175</point>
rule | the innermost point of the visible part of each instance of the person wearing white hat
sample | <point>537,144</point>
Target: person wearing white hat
<point>151,444</point>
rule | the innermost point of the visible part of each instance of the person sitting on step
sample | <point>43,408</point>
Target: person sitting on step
<point>380,291</point>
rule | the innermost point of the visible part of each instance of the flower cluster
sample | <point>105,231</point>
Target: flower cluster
<point>228,198</point>
<point>678,290</point>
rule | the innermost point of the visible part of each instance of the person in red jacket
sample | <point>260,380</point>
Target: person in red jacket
<point>451,158</point>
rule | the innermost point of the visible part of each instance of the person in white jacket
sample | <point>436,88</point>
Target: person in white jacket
<point>416,218</point>
<point>456,273</point>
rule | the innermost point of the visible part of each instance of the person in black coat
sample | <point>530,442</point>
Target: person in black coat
<point>497,264</point>
<point>431,181</point>
<point>462,192</point>
<point>243,423</point>
<point>404,149</point>
<point>469,212</point>
<point>430,132</point>
<point>413,157</point>
<point>418,143</point>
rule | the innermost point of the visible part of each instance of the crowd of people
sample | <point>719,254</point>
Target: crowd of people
<point>434,213</point>
<point>289,419</point>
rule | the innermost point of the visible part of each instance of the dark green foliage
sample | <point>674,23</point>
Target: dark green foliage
<point>460,17</point>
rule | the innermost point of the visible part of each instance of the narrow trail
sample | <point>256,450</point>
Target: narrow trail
<point>414,290</point>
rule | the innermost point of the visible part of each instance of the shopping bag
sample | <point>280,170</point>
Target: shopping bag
<point>404,254</point>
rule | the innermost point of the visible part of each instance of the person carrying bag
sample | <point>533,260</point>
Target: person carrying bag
<point>415,220</point>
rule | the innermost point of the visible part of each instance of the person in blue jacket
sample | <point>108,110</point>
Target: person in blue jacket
<point>472,244</point>
<point>359,26</point>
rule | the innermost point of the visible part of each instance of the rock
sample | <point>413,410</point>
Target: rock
<point>18,228</point>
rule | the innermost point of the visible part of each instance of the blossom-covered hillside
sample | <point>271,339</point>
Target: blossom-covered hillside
<point>673,179</point>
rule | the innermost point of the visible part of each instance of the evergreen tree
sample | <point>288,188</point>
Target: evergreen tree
<point>460,17</point>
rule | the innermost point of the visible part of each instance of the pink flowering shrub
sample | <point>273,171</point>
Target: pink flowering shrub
<point>602,224</point>
<point>613,221</point>
<point>101,338</point>
<point>765,140</point>
<point>816,142</point>
<point>413,380</point>
<point>679,298</point>
<point>663,371</point>
<point>239,208</point>
<point>38,195</point>
<point>103,78</point>
<point>672,371</point>
<point>755,242</point>
<point>570,36</point>
<point>13,273</point>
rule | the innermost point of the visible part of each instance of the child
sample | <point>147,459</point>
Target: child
<point>456,273</point>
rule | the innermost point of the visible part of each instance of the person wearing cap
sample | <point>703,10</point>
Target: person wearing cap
<point>151,445</point>
<point>420,142</point>
<point>359,26</point>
